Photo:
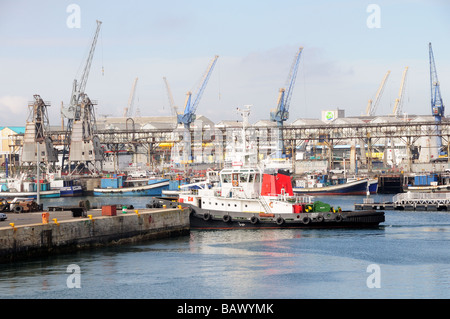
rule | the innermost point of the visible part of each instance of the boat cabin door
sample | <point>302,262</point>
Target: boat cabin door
<point>235,179</point>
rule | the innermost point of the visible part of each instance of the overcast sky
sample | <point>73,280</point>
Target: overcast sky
<point>348,48</point>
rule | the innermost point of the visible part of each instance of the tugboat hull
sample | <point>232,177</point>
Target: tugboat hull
<point>367,219</point>
<point>218,219</point>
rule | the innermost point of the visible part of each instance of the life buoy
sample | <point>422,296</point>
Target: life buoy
<point>206,216</point>
<point>254,220</point>
<point>338,218</point>
<point>306,220</point>
<point>271,204</point>
<point>235,183</point>
<point>280,221</point>
<point>226,218</point>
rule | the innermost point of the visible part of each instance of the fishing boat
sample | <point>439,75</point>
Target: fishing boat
<point>316,186</point>
<point>67,188</point>
<point>20,187</point>
<point>120,185</point>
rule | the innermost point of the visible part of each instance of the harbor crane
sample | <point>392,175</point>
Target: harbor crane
<point>173,108</point>
<point>372,105</point>
<point>128,111</point>
<point>81,119</point>
<point>190,107</point>
<point>399,101</point>
<point>281,113</point>
<point>437,105</point>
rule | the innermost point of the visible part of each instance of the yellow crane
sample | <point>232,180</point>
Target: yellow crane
<point>128,111</point>
<point>173,108</point>
<point>399,101</point>
<point>371,107</point>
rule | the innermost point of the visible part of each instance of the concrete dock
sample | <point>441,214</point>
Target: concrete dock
<point>34,235</point>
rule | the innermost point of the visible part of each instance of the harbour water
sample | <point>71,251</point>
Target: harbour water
<point>408,256</point>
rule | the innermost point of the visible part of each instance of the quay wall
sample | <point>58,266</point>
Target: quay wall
<point>37,240</point>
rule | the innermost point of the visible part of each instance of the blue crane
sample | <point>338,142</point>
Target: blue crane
<point>281,113</point>
<point>437,105</point>
<point>189,109</point>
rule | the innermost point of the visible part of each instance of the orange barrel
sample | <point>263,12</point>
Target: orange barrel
<point>45,218</point>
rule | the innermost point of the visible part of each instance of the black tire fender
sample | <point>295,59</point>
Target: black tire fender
<point>306,220</point>
<point>280,220</point>
<point>226,218</point>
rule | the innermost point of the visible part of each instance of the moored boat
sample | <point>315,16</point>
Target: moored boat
<point>356,187</point>
<point>248,198</point>
<point>66,188</point>
<point>20,187</point>
<point>118,185</point>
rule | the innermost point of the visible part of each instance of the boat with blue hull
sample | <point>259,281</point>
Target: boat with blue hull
<point>357,187</point>
<point>11,187</point>
<point>67,188</point>
<point>121,186</point>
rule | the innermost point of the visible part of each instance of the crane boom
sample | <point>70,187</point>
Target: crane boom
<point>437,105</point>
<point>399,101</point>
<point>189,109</point>
<point>371,107</point>
<point>173,108</point>
<point>80,108</point>
<point>281,113</point>
<point>128,112</point>
<point>78,87</point>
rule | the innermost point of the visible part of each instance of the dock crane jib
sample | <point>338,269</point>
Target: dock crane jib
<point>437,104</point>
<point>128,111</point>
<point>372,105</point>
<point>80,137</point>
<point>281,113</point>
<point>399,101</point>
<point>190,108</point>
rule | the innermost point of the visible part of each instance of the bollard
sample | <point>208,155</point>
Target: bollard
<point>137,212</point>
<point>164,206</point>
<point>13,226</point>
<point>56,221</point>
<point>90,216</point>
<point>45,218</point>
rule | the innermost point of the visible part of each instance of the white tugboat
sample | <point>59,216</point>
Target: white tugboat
<point>246,197</point>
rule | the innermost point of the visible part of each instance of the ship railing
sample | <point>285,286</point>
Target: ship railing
<point>419,198</point>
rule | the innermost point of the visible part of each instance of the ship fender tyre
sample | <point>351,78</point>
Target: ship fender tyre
<point>226,218</point>
<point>306,220</point>
<point>338,218</point>
<point>254,220</point>
<point>206,216</point>
<point>280,220</point>
<point>320,218</point>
